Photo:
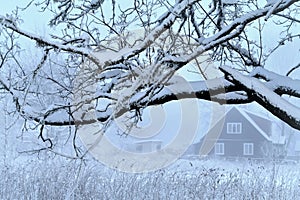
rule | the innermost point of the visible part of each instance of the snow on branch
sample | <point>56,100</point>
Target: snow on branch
<point>263,95</point>
<point>165,22</point>
<point>123,54</point>
<point>278,83</point>
<point>227,33</point>
<point>235,88</point>
<point>274,6</point>
<point>211,90</point>
<point>42,41</point>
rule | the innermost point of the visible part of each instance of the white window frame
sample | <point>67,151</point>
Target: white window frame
<point>219,148</point>
<point>234,128</point>
<point>248,149</point>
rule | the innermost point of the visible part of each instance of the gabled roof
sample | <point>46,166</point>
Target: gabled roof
<point>247,115</point>
<point>244,113</point>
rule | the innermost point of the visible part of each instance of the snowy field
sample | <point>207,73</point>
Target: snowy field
<point>185,179</point>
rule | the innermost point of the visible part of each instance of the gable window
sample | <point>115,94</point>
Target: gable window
<point>248,149</point>
<point>219,149</point>
<point>234,128</point>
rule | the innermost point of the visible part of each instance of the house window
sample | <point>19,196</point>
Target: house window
<point>139,147</point>
<point>248,149</point>
<point>219,149</point>
<point>158,146</point>
<point>234,128</point>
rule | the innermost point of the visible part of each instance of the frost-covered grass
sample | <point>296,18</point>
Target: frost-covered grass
<point>185,179</point>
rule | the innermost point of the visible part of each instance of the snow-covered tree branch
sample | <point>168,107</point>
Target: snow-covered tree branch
<point>102,59</point>
<point>268,94</point>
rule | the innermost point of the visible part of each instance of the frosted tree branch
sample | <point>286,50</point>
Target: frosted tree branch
<point>102,65</point>
<point>264,95</point>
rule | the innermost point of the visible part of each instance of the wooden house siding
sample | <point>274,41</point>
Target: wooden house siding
<point>255,130</point>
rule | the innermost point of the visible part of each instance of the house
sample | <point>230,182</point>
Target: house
<point>240,133</point>
<point>145,146</point>
<point>293,144</point>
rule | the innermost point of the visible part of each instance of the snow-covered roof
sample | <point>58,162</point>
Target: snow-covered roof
<point>255,114</point>
<point>148,141</point>
<point>244,113</point>
<point>274,138</point>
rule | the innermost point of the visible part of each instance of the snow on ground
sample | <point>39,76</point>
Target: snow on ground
<point>185,179</point>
